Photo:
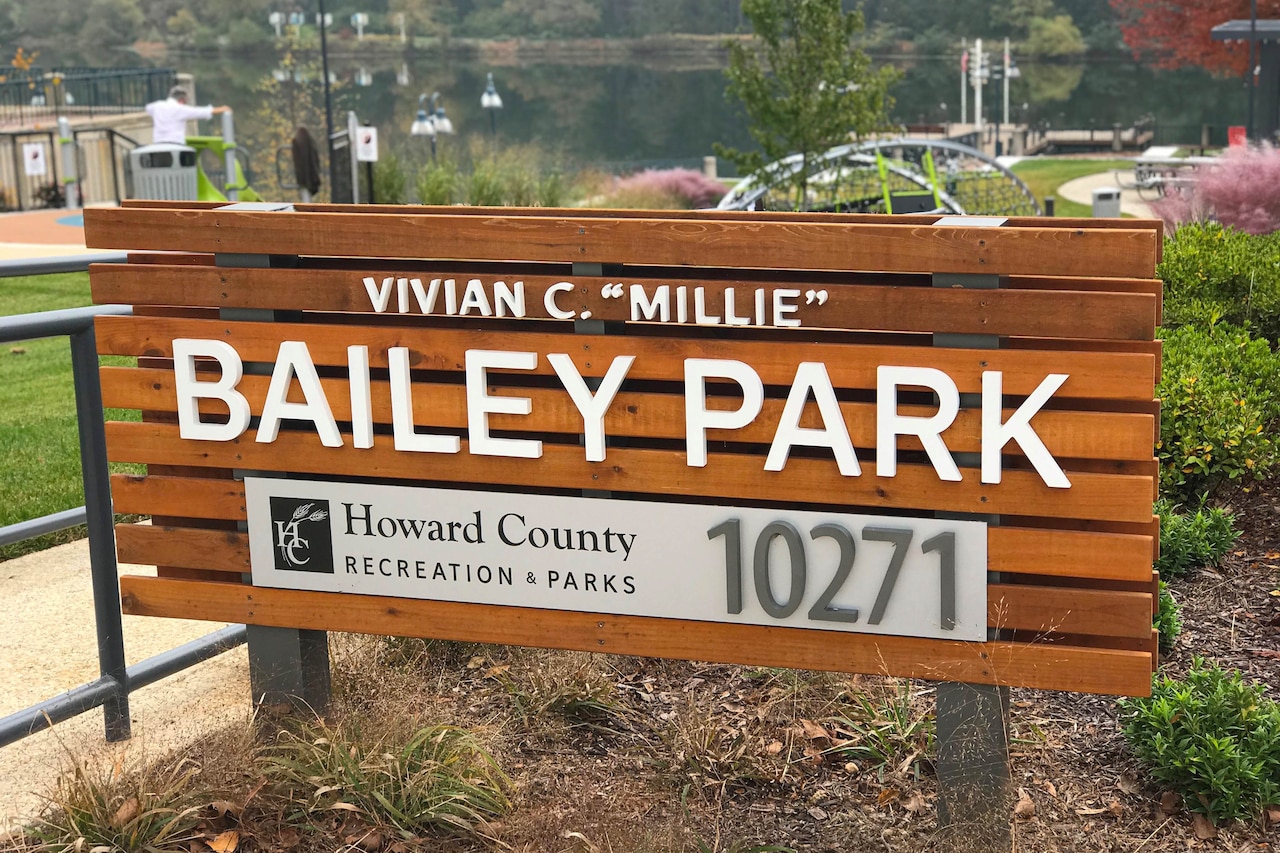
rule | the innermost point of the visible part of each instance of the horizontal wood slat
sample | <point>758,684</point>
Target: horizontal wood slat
<point>1014,550</point>
<point>688,242</point>
<point>1107,376</point>
<point>1032,665</point>
<point>1100,496</point>
<point>1024,607</point>
<point>1028,313</point>
<point>1067,434</point>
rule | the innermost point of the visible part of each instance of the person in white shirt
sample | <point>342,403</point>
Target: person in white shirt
<point>170,117</point>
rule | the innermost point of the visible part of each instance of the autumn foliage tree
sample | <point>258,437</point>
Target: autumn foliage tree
<point>1176,33</point>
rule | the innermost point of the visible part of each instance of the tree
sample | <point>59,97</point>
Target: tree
<point>1176,33</point>
<point>1056,36</point>
<point>803,84</point>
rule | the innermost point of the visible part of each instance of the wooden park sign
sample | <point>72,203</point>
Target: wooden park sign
<point>895,445</point>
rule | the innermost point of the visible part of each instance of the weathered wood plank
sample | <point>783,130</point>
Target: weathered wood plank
<point>1091,496</point>
<point>1068,435</point>
<point>686,242</point>
<point>1027,313</point>
<point>1013,550</point>
<point>1104,376</point>
<point>1033,665</point>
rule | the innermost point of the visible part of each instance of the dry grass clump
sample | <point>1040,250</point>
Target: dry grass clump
<point>576,687</point>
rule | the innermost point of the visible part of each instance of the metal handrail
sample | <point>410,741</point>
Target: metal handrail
<point>112,688</point>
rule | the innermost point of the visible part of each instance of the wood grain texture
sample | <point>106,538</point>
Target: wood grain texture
<point>1067,610</point>
<point>1043,666</point>
<point>1103,376</point>
<point>1013,550</point>
<point>744,243</point>
<point>654,472</point>
<point>1029,313</point>
<point>1068,435</point>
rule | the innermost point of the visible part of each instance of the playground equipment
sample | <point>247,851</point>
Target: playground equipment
<point>888,176</point>
<point>182,172</point>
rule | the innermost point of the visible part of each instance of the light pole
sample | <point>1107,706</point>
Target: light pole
<point>424,124</point>
<point>491,102</point>
<point>430,122</point>
<point>328,99</point>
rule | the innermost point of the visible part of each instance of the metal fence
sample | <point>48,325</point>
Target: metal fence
<point>29,171</point>
<point>111,690</point>
<point>38,95</point>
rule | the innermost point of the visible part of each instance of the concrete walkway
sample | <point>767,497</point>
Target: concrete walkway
<point>1081,191</point>
<point>42,234</point>
<point>49,645</point>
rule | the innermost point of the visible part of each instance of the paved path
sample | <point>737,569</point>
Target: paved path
<point>1081,190</point>
<point>48,645</point>
<point>42,234</point>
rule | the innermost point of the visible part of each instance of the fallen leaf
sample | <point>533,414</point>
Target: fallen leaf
<point>289,838</point>
<point>1202,828</point>
<point>1272,814</point>
<point>905,764</point>
<point>476,662</point>
<point>774,748</point>
<point>813,731</point>
<point>888,795</point>
<point>128,811</point>
<point>1090,812</point>
<point>227,842</point>
<point>1050,789</point>
<point>1170,802</point>
<point>1025,808</point>
<point>370,841</point>
<point>851,767</point>
<point>817,813</point>
<point>225,807</point>
<point>1127,784</point>
<point>18,351</point>
<point>1266,653</point>
<point>1116,809</point>
<point>914,803</point>
<point>346,807</point>
<point>495,671</point>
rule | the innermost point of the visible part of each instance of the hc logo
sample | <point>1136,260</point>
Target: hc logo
<point>301,536</point>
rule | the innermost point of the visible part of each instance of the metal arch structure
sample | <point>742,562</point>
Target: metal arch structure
<point>968,180</point>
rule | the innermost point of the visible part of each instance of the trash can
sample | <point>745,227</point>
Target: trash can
<point>1106,202</point>
<point>163,171</point>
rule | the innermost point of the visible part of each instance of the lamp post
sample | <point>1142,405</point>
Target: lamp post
<point>328,98</point>
<point>430,122</point>
<point>491,102</point>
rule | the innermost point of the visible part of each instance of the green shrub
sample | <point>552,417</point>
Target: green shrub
<point>1168,621</point>
<point>1211,738</point>
<point>389,180</point>
<point>1190,540</point>
<point>486,183</point>
<point>1214,274</point>
<point>1220,404</point>
<point>437,182</point>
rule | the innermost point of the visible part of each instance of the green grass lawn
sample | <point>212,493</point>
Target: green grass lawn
<point>1045,174</point>
<point>39,447</point>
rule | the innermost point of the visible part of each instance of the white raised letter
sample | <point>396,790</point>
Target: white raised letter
<point>402,411</point>
<point>294,359</point>
<point>812,375</point>
<point>549,300</point>
<point>698,418</point>
<point>591,407</point>
<point>657,309</point>
<point>996,435</point>
<point>890,425</point>
<point>480,405</point>
<point>380,297</point>
<point>361,397</point>
<point>190,389</point>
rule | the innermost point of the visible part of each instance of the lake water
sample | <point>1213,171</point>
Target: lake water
<point>641,113</point>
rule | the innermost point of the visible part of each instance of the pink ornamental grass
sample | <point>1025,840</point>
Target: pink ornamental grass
<point>683,187</point>
<point>1242,190</point>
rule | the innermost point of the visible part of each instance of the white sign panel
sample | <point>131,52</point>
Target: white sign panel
<point>33,159</point>
<point>367,144</point>
<point>806,569</point>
